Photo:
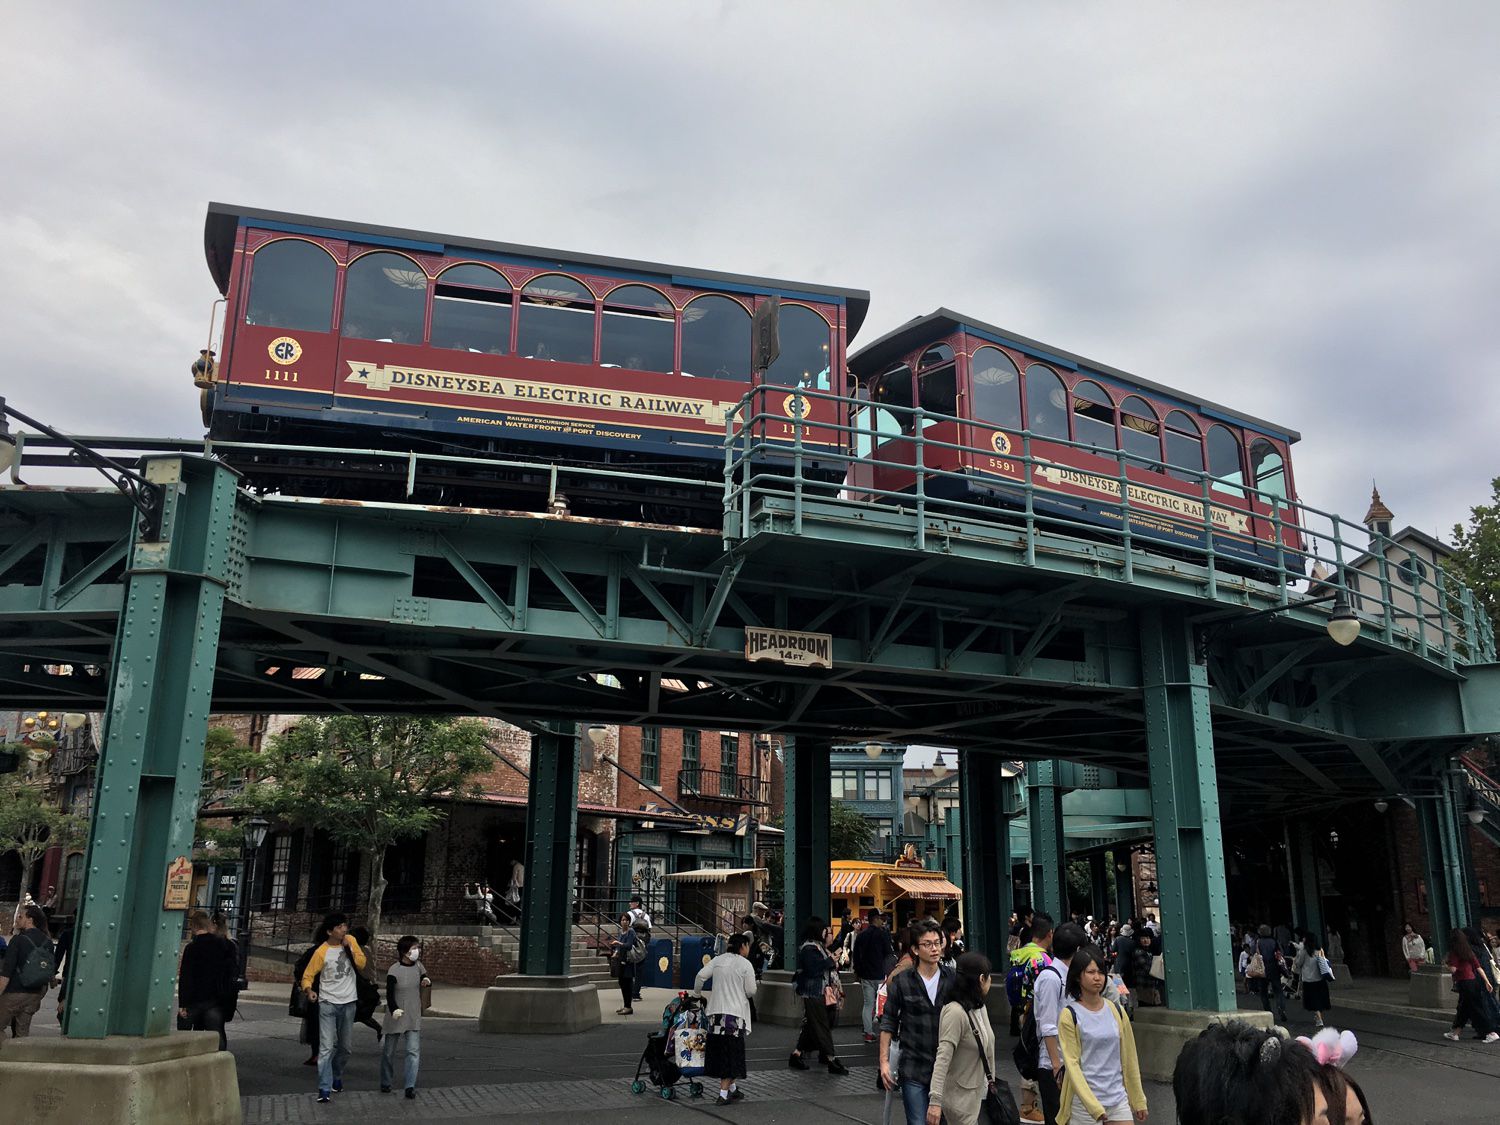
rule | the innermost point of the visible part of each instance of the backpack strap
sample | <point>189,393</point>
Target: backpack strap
<point>979,1043</point>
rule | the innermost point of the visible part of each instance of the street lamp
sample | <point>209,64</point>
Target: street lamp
<point>939,767</point>
<point>1381,804</point>
<point>255,835</point>
<point>873,750</point>
<point>1343,626</point>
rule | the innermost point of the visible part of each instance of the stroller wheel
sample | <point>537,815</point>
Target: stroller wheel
<point>637,1087</point>
<point>668,1093</point>
<point>696,1089</point>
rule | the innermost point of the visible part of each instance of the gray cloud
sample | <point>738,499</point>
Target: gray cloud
<point>1289,211</point>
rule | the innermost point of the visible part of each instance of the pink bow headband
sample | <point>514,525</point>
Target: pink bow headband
<point>1330,1047</point>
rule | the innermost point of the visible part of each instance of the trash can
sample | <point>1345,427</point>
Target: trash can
<point>656,970</point>
<point>696,952</point>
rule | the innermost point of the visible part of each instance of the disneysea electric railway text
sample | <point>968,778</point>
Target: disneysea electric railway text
<point>346,348</point>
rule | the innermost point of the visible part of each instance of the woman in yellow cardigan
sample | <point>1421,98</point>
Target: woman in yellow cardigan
<point>1101,1073</point>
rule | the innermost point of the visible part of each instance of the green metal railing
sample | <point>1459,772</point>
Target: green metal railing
<point>1404,600</point>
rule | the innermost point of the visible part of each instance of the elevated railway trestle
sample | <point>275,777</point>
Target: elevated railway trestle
<point>1004,629</point>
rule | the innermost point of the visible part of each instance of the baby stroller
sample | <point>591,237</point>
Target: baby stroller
<point>674,1052</point>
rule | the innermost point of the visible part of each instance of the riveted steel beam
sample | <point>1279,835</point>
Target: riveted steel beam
<point>551,837</point>
<point>988,903</point>
<point>1044,821</point>
<point>808,796</point>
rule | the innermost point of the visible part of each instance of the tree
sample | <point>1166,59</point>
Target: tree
<point>1477,552</point>
<point>849,835</point>
<point>370,780</point>
<point>229,782</point>
<point>29,825</point>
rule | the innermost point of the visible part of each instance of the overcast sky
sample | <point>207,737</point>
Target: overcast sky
<point>1292,209</point>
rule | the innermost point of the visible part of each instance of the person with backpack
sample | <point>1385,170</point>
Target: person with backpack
<point>206,977</point>
<point>1039,1029</point>
<point>629,951</point>
<point>1265,972</point>
<point>913,1007</point>
<point>1101,1076</point>
<point>640,920</point>
<point>873,956</point>
<point>25,972</point>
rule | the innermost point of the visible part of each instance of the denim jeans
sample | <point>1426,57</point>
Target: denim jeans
<point>915,1096</point>
<point>335,1027</point>
<point>869,988</point>
<point>412,1041</point>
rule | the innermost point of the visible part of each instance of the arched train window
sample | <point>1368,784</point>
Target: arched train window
<point>894,388</point>
<point>557,320</point>
<point>385,297</point>
<point>1046,403</point>
<point>716,338</point>
<point>1268,470</point>
<point>291,286</point>
<point>937,382</point>
<point>1093,416</point>
<point>1225,461</point>
<point>471,310</point>
<point>1140,432</point>
<point>806,344</point>
<point>639,329</point>
<point>996,388</point>
<point>938,353</point>
<point>1184,447</point>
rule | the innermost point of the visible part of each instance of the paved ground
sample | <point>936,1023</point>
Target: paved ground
<point>1410,1072</point>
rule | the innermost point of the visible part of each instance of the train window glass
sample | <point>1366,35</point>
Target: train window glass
<point>873,427</point>
<point>557,320</point>
<point>291,286</point>
<point>716,339</point>
<point>639,330</point>
<point>996,388</point>
<point>1224,462</point>
<point>894,389</point>
<point>1093,416</point>
<point>1267,469</point>
<point>471,310</point>
<point>1140,432</point>
<point>1184,447</point>
<point>805,341</point>
<point>938,388</point>
<point>385,297</point>
<point>938,353</point>
<point>1046,403</point>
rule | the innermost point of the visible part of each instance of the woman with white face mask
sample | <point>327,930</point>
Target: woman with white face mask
<point>403,1031</point>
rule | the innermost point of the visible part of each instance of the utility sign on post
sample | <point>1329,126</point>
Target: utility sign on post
<point>179,894</point>
<point>803,650</point>
<point>766,333</point>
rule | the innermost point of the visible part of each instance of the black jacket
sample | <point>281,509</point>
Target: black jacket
<point>207,973</point>
<point>873,952</point>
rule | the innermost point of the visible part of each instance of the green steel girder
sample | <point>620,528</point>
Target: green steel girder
<point>1302,865</point>
<point>1044,817</point>
<point>808,797</point>
<point>990,798</point>
<point>551,839</point>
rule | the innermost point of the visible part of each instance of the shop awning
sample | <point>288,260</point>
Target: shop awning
<point>927,888</point>
<point>850,882</point>
<point>716,874</point>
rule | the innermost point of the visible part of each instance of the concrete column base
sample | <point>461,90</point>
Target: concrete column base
<point>777,1002</point>
<point>539,1005</point>
<point>122,1080</point>
<point>1160,1035</point>
<point>1431,986</point>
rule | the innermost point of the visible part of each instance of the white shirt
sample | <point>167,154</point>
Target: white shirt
<point>1047,1002</point>
<point>637,914</point>
<point>931,985</point>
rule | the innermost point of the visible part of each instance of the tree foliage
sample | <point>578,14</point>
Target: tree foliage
<point>1477,547</point>
<point>229,782</point>
<point>369,780</point>
<point>849,832</point>
<point>29,824</point>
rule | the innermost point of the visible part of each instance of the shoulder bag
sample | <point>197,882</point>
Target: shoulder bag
<point>998,1106</point>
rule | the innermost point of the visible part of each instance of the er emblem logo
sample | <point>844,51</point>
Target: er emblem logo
<point>284,350</point>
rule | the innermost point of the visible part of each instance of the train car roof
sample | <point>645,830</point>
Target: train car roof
<point>877,354</point>
<point>224,218</point>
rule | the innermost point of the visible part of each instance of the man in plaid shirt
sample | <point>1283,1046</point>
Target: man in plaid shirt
<point>914,1001</point>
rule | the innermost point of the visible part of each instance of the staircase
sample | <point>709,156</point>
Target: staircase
<point>587,960</point>
<point>1485,792</point>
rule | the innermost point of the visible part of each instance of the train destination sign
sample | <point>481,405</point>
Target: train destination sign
<point>803,650</point>
<point>521,392</point>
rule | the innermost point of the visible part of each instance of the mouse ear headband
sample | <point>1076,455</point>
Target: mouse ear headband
<point>1330,1047</point>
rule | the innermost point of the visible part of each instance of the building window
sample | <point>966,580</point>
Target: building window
<point>882,826</point>
<point>691,761</point>
<point>281,870</point>
<point>877,785</point>
<point>651,755</point>
<point>340,878</point>
<point>844,784</point>
<point>729,763</point>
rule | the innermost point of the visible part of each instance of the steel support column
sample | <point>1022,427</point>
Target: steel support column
<point>1044,821</point>
<point>1099,883</point>
<point>986,853</point>
<point>1452,890</point>
<point>123,968</point>
<point>551,835</point>
<point>1302,872</point>
<point>1124,885</point>
<point>1185,816</point>
<point>807,804</point>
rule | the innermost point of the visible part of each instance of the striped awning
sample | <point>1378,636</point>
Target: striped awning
<point>850,882</point>
<point>927,888</point>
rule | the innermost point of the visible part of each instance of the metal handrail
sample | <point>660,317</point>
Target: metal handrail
<point>1433,613</point>
<point>1487,788</point>
<point>723,785</point>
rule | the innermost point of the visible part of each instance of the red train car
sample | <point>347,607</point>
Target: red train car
<point>349,335</point>
<point>997,395</point>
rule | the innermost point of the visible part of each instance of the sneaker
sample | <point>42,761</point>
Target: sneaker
<point>385,1089</point>
<point>869,1038</point>
<point>837,1067</point>
<point>1453,1035</point>
<point>338,1085</point>
<point>323,1096</point>
<point>797,1062</point>
<point>411,1093</point>
<point>1492,1037</point>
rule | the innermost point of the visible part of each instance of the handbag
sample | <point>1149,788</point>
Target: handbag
<point>998,1106</point>
<point>425,991</point>
<point>1158,968</point>
<point>1325,970</point>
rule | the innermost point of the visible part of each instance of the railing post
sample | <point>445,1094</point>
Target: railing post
<point>919,462</point>
<point>1210,551</point>
<point>1028,491</point>
<point>1126,535</point>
